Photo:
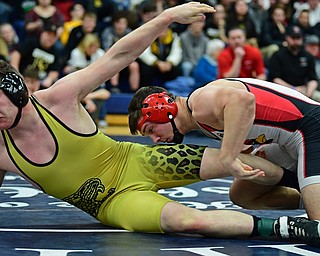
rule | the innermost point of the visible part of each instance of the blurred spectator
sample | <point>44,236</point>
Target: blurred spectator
<point>206,70</point>
<point>289,10</point>
<point>240,59</point>
<point>41,14</point>
<point>293,67</point>
<point>20,7</point>
<point>93,103</point>
<point>314,12</point>
<point>273,32</point>
<point>76,13</point>
<point>88,51</point>
<point>4,53</point>
<point>64,7</point>
<point>303,22</point>
<point>104,9</point>
<point>239,17</point>
<point>193,42</point>
<point>128,79</point>
<point>10,38</point>
<point>216,24</point>
<point>89,24</point>
<point>311,45</point>
<point>39,54</point>
<point>161,61</point>
<point>32,79</point>
<point>6,11</point>
<point>258,12</point>
<point>146,11</point>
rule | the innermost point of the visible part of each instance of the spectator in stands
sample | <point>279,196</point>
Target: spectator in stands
<point>40,54</point>
<point>146,11</point>
<point>76,13</point>
<point>5,12</point>
<point>4,53</point>
<point>257,10</point>
<point>311,45</point>
<point>20,7</point>
<point>289,9</point>
<point>128,79</point>
<point>161,61</point>
<point>240,59</point>
<point>206,70</point>
<point>32,79</point>
<point>303,22</point>
<point>89,25</point>
<point>104,9</point>
<point>314,12</point>
<point>64,7</point>
<point>216,24</point>
<point>239,16</point>
<point>41,14</point>
<point>88,51</point>
<point>194,43</point>
<point>10,38</point>
<point>273,32</point>
<point>293,67</point>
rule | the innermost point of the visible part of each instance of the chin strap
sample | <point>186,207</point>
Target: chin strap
<point>16,121</point>
<point>177,136</point>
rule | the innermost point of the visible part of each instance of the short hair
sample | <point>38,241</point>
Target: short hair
<point>237,28</point>
<point>31,73</point>
<point>135,105</point>
<point>5,68</point>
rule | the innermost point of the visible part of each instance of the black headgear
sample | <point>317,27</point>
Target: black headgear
<point>16,90</point>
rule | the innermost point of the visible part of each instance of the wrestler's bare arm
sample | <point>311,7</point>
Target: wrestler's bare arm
<point>211,168</point>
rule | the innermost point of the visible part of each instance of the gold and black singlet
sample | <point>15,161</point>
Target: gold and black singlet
<point>114,182</point>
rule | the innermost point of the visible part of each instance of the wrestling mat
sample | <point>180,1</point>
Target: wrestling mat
<point>35,224</point>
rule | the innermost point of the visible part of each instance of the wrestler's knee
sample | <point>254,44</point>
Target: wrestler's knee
<point>177,218</point>
<point>238,196</point>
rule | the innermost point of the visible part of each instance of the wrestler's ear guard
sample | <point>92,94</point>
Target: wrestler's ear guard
<point>158,108</point>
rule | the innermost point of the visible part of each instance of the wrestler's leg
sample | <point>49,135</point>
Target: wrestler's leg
<point>177,218</point>
<point>309,173</point>
<point>311,200</point>
<point>250,195</point>
<point>282,195</point>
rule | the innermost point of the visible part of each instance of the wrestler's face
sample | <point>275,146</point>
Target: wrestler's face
<point>8,111</point>
<point>158,132</point>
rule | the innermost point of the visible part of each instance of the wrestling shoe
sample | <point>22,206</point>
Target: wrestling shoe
<point>298,229</point>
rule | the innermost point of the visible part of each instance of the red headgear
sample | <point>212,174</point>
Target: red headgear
<point>158,107</point>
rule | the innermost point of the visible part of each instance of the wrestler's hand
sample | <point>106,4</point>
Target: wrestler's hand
<point>189,12</point>
<point>242,171</point>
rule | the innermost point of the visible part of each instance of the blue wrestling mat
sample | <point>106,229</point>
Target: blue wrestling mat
<point>35,224</point>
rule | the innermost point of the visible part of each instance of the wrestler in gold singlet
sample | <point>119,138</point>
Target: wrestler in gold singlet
<point>117,182</point>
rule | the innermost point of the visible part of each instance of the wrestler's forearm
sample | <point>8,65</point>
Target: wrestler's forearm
<point>273,173</point>
<point>212,169</point>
